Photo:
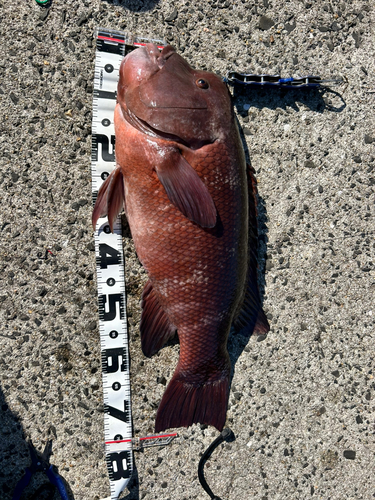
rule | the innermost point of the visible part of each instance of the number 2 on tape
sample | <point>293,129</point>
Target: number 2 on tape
<point>110,270</point>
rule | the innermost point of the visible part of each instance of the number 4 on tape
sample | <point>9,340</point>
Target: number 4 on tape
<point>112,46</point>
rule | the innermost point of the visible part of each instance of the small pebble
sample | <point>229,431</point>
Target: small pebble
<point>161,380</point>
<point>172,16</point>
<point>83,18</point>
<point>290,27</point>
<point>265,23</point>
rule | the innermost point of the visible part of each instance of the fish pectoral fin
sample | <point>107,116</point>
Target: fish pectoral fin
<point>111,198</point>
<point>186,191</point>
<point>155,327</point>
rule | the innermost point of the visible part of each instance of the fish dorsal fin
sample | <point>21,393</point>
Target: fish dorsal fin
<point>186,191</point>
<point>251,317</point>
<point>155,327</point>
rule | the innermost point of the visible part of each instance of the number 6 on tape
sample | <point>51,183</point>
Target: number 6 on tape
<point>111,48</point>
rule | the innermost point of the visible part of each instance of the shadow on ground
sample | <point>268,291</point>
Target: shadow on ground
<point>133,486</point>
<point>315,99</point>
<point>135,5</point>
<point>15,457</point>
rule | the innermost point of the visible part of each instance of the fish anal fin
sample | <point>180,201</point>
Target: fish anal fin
<point>110,199</point>
<point>261,325</point>
<point>187,191</point>
<point>155,327</point>
<point>251,316</point>
<point>184,404</point>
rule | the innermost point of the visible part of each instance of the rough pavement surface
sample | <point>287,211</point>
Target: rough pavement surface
<point>302,404</point>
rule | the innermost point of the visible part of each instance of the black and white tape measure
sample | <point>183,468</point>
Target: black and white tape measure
<point>110,270</point>
<point>112,46</point>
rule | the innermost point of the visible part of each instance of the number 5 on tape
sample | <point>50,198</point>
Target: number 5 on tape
<point>111,47</point>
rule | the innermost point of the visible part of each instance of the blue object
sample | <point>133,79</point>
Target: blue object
<point>40,464</point>
<point>285,80</point>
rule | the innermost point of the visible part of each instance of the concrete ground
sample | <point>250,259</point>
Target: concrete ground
<point>302,404</point>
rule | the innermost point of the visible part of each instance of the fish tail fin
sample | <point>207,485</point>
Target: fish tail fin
<point>110,199</point>
<point>184,403</point>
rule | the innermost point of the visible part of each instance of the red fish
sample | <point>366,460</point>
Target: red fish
<point>190,202</point>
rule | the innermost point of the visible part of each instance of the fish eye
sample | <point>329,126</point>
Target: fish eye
<point>201,83</point>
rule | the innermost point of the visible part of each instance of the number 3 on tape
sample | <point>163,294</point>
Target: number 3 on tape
<point>111,48</point>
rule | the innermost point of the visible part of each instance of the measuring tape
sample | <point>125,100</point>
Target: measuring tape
<point>110,271</point>
<point>111,47</point>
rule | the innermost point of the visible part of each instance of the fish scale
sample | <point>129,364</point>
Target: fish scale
<point>182,178</point>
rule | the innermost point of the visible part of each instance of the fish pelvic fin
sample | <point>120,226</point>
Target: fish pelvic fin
<point>184,404</point>
<point>186,191</point>
<point>110,199</point>
<point>155,327</point>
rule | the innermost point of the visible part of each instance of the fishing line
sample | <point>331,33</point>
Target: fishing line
<point>225,435</point>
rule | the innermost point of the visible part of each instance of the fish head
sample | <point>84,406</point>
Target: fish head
<point>172,100</point>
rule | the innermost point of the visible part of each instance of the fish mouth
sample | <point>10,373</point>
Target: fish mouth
<point>145,128</point>
<point>158,59</point>
<point>159,56</point>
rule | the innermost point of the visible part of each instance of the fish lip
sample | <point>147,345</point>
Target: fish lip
<point>159,56</point>
<point>168,51</point>
<point>145,128</point>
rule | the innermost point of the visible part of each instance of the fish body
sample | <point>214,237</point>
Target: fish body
<point>189,198</point>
